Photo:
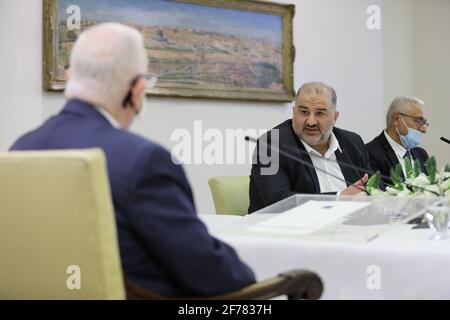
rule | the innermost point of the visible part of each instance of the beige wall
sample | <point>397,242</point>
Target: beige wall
<point>20,68</point>
<point>398,41</point>
<point>408,56</point>
<point>416,61</point>
<point>332,42</point>
<point>432,71</point>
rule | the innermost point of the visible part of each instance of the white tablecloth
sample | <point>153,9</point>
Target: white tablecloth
<point>401,263</point>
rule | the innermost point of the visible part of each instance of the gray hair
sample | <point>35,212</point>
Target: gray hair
<point>104,61</point>
<point>401,104</point>
<point>319,84</point>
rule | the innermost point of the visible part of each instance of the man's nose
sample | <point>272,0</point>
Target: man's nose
<point>423,129</point>
<point>311,121</point>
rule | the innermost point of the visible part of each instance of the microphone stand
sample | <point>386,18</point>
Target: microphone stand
<point>343,164</point>
<point>295,158</point>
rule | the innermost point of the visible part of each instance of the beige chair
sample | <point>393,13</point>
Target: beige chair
<point>56,216</point>
<point>230,194</point>
<point>57,231</point>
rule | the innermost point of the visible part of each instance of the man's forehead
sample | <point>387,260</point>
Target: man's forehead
<point>316,90</point>
<point>416,110</point>
<point>307,97</point>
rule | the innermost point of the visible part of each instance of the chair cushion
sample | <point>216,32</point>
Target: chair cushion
<point>230,194</point>
<point>56,211</point>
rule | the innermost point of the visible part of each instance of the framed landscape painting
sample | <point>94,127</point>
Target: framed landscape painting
<point>221,49</point>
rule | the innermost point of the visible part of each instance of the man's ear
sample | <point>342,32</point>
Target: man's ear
<point>136,93</point>
<point>336,116</point>
<point>395,119</point>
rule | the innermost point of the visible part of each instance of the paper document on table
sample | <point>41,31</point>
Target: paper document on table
<point>310,217</point>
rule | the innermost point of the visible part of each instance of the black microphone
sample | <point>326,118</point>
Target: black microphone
<point>295,158</point>
<point>445,140</point>
<point>356,168</point>
<point>343,164</point>
<point>340,163</point>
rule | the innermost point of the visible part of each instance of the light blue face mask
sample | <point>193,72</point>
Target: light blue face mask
<point>412,139</point>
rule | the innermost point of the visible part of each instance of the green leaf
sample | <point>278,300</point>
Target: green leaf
<point>447,168</point>
<point>409,168</point>
<point>374,181</point>
<point>417,168</point>
<point>399,172</point>
<point>431,169</point>
<point>396,177</point>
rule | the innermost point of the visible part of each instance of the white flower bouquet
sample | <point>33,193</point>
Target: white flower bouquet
<point>417,183</point>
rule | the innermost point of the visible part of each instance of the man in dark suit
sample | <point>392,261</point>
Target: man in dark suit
<point>405,125</point>
<point>164,247</point>
<point>311,136</point>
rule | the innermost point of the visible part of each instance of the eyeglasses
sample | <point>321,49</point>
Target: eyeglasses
<point>419,120</point>
<point>150,83</point>
<point>151,80</point>
<point>150,77</point>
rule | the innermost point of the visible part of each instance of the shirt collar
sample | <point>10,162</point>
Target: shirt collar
<point>399,150</point>
<point>108,117</point>
<point>333,146</point>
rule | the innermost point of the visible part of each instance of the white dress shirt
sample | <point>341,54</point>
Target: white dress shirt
<point>108,117</point>
<point>399,150</point>
<point>328,164</point>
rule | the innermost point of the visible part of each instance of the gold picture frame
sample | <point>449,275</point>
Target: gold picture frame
<point>217,49</point>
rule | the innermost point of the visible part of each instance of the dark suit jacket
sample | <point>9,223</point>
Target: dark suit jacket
<point>164,247</point>
<point>382,157</point>
<point>293,177</point>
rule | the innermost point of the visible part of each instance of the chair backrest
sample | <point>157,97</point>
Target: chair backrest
<point>230,194</point>
<point>57,228</point>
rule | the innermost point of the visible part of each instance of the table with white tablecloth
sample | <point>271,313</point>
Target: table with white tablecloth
<point>398,263</point>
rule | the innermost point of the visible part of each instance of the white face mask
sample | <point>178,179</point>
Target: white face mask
<point>412,139</point>
<point>151,82</point>
<point>139,116</point>
<point>144,105</point>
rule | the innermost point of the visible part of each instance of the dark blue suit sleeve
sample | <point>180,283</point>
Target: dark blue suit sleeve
<point>162,212</point>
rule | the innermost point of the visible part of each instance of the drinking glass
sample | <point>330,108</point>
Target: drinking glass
<point>438,220</point>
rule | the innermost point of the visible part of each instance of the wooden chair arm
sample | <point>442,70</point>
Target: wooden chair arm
<point>295,284</point>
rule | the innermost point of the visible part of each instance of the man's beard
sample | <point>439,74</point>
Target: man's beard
<point>323,137</point>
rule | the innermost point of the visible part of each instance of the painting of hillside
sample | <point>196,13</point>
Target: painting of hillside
<point>189,45</point>
<point>199,58</point>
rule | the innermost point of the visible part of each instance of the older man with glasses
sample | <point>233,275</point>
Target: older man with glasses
<point>164,246</point>
<point>405,126</point>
